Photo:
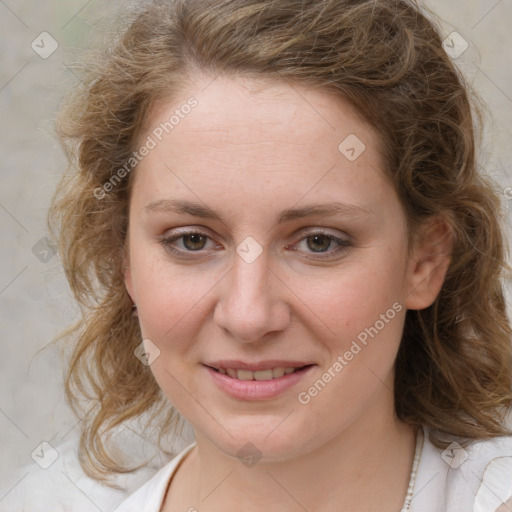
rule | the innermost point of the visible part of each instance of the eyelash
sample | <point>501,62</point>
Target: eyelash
<point>343,244</point>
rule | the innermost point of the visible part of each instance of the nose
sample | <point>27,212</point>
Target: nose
<point>252,301</point>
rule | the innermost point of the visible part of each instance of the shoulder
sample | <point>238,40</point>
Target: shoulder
<point>477,477</point>
<point>490,467</point>
<point>53,479</point>
<point>149,497</point>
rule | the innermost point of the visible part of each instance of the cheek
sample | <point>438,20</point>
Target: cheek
<point>363,308</point>
<point>170,297</point>
<point>354,298</point>
<point>157,285</point>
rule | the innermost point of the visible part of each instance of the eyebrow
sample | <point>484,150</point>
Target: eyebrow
<point>200,210</point>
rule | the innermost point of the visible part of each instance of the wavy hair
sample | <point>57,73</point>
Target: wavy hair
<point>454,366</point>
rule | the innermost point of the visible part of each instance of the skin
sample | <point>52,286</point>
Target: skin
<point>249,150</point>
<point>506,507</point>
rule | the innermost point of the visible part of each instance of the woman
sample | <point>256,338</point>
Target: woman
<point>275,223</point>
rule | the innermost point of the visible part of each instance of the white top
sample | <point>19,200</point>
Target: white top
<point>150,497</point>
<point>478,479</point>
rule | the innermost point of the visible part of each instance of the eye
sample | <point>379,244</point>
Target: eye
<point>321,242</point>
<point>190,242</point>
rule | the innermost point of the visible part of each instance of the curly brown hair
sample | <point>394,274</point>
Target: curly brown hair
<point>454,366</point>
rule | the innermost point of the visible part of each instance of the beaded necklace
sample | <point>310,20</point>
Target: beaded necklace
<point>415,464</point>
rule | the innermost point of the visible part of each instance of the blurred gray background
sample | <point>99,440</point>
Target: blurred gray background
<point>38,42</point>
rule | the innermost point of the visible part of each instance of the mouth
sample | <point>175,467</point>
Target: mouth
<point>257,381</point>
<point>259,375</point>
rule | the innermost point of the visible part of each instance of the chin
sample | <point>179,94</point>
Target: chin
<point>251,444</point>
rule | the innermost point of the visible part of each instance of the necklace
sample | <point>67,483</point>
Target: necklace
<point>415,464</point>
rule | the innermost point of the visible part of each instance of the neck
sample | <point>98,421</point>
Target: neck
<point>365,467</point>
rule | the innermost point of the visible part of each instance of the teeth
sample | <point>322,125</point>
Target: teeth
<point>271,373</point>
<point>245,374</point>
<point>279,372</point>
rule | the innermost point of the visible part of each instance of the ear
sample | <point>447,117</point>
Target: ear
<point>429,262</point>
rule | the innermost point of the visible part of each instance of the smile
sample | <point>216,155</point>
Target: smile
<point>269,374</point>
<point>261,384</point>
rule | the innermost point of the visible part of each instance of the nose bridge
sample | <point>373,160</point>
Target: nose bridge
<point>251,279</point>
<point>249,305</point>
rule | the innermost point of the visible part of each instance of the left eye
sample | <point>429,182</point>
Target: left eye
<point>322,242</point>
<point>316,243</point>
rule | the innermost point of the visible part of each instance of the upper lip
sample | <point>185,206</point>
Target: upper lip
<point>256,366</point>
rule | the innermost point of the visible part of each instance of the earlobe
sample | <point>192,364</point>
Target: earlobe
<point>429,263</point>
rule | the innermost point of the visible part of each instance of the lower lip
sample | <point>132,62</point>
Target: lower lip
<point>256,389</point>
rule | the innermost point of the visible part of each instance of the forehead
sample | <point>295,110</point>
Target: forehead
<point>248,108</point>
<point>261,137</point>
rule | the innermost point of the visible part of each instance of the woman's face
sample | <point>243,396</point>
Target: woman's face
<point>235,262</point>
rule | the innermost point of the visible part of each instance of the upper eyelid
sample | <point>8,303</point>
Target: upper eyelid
<point>303,232</point>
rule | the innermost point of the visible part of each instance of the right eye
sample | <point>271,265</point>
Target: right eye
<point>190,241</point>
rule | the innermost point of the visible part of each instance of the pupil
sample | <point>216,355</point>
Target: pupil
<point>316,238</point>
<point>196,239</point>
